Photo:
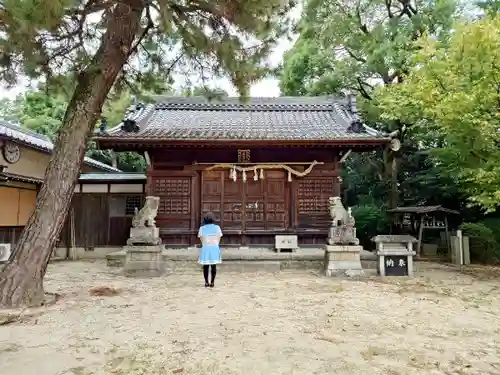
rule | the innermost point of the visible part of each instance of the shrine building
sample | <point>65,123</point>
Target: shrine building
<point>24,157</point>
<point>264,167</point>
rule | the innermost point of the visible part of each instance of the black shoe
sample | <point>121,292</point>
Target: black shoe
<point>212,285</point>
<point>207,285</point>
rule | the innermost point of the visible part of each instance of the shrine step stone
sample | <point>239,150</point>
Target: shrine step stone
<point>252,260</point>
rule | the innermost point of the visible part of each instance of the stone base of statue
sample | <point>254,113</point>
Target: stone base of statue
<point>343,235</point>
<point>143,253</point>
<point>144,261</point>
<point>343,260</point>
<point>144,236</point>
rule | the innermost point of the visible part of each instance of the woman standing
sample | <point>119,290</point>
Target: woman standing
<point>209,234</point>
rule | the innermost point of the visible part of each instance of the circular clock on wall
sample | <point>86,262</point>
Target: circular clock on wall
<point>11,152</point>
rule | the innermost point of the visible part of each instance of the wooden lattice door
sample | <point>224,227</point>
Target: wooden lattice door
<point>224,198</point>
<point>211,194</point>
<point>246,206</point>
<point>254,204</point>
<point>233,203</point>
<point>277,206</point>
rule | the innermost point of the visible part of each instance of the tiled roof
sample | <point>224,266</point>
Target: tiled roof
<point>423,210</point>
<point>108,177</point>
<point>283,118</point>
<point>16,177</point>
<point>41,142</point>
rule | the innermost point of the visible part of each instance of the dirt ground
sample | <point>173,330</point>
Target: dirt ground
<point>297,322</point>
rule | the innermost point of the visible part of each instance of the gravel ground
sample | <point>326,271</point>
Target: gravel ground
<point>297,322</point>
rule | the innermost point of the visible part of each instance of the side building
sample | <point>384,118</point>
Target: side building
<point>24,156</point>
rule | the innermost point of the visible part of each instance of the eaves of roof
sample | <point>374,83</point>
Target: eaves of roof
<point>37,141</point>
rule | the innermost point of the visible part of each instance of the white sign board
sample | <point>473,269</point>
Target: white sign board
<point>286,242</point>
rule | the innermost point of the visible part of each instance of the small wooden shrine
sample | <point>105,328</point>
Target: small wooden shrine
<point>415,220</point>
<point>263,167</point>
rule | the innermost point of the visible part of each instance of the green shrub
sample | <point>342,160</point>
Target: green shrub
<point>482,242</point>
<point>370,221</point>
<point>494,224</point>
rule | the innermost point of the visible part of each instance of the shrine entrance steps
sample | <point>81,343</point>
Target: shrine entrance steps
<point>249,260</point>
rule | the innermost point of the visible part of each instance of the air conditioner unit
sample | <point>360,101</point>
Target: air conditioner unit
<point>4,252</point>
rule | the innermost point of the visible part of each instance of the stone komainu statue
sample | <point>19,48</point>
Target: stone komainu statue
<point>338,213</point>
<point>342,230</point>
<point>145,217</point>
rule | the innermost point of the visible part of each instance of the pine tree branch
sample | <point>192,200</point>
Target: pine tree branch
<point>377,168</point>
<point>149,26</point>
<point>362,26</point>
<point>388,5</point>
<point>93,6</point>
<point>355,57</point>
<point>362,89</point>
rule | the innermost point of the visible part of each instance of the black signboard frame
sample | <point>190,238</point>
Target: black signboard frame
<point>396,265</point>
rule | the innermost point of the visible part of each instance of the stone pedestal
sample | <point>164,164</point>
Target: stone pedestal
<point>144,236</point>
<point>144,261</point>
<point>343,260</point>
<point>395,254</point>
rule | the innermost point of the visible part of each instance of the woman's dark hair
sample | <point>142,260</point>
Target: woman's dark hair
<point>208,219</point>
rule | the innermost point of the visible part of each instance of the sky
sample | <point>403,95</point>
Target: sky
<point>268,87</point>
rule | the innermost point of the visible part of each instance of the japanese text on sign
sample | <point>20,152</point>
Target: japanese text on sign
<point>390,263</point>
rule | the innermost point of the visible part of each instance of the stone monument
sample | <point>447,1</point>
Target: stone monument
<point>143,253</point>
<point>395,254</point>
<point>342,251</point>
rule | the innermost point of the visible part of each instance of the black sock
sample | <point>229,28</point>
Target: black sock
<point>205,273</point>
<point>214,272</point>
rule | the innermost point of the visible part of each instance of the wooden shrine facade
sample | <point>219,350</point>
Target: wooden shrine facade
<point>262,168</point>
<point>251,210</point>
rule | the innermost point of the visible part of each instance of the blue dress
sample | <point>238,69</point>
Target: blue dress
<point>210,235</point>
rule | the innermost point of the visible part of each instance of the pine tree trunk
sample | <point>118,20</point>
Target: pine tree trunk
<point>391,164</point>
<point>394,200</point>
<point>21,282</point>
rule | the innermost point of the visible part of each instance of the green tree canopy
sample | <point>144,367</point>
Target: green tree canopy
<point>356,46</point>
<point>491,7</point>
<point>453,96</point>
